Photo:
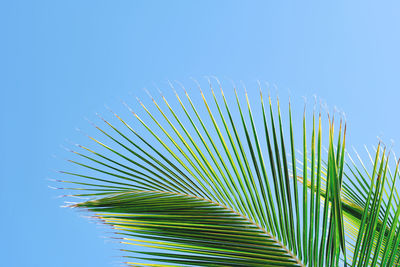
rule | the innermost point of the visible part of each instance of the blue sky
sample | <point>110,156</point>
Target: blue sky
<point>62,61</point>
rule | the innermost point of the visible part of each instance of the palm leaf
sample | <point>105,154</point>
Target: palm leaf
<point>201,188</point>
<point>192,230</point>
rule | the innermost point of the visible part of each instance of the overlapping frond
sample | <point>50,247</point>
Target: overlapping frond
<point>375,195</point>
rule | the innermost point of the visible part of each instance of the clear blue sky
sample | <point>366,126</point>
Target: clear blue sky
<point>61,61</point>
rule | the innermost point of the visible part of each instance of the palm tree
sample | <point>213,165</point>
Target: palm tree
<point>234,192</point>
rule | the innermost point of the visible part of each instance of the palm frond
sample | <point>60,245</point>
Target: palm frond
<point>190,230</point>
<point>212,184</point>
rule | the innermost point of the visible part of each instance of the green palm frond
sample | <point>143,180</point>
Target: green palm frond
<point>192,230</point>
<point>212,184</point>
<point>379,214</point>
